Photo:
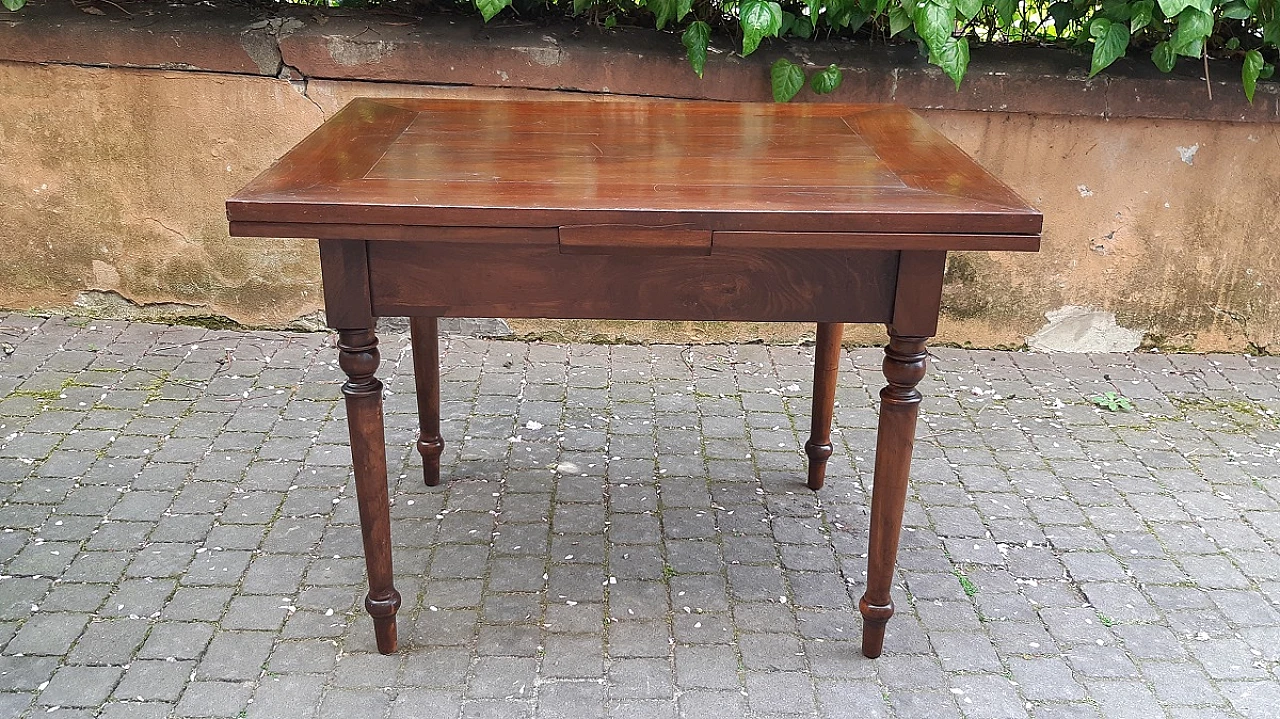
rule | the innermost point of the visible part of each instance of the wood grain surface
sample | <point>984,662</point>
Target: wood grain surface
<point>712,166</point>
<point>530,281</point>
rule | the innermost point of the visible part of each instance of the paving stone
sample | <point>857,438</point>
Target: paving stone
<point>80,686</point>
<point>706,667</point>
<point>235,656</point>
<point>214,699</point>
<point>703,704</point>
<point>48,634</point>
<point>24,673</point>
<point>109,642</point>
<point>154,680</point>
<point>287,696</point>
<point>571,700</point>
<point>503,677</point>
<point>777,692</point>
<point>771,652</point>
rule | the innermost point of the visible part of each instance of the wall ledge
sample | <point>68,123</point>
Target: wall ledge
<point>301,43</point>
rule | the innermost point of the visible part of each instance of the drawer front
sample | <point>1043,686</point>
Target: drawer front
<point>540,280</point>
<point>633,240</point>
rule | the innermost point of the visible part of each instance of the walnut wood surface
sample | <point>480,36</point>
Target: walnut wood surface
<point>358,357</point>
<point>633,240</point>
<point>424,335</point>
<point>904,367</point>
<point>826,367</point>
<point>709,165</point>
<point>539,281</point>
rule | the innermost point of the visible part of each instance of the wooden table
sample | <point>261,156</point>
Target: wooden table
<point>632,210</point>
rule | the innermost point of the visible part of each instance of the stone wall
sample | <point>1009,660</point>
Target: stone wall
<point>122,135</point>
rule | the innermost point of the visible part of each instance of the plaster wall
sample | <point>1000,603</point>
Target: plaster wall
<point>113,181</point>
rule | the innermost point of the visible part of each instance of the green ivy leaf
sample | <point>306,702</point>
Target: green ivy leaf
<point>1117,10</point>
<point>1253,63</point>
<point>759,19</point>
<point>1194,26</point>
<point>580,5</point>
<point>489,8</point>
<point>787,78</point>
<point>1271,32</point>
<point>1267,71</point>
<point>826,81</point>
<point>665,11</point>
<point>934,23</point>
<point>1171,8</point>
<point>899,20</point>
<point>695,39</point>
<point>1164,57</point>
<point>815,6</point>
<point>683,8</point>
<point>788,23</point>
<point>1004,12</point>
<point>803,28</point>
<point>953,58</point>
<point>1142,11</point>
<point>1063,13</point>
<point>14,5</point>
<point>1108,45</point>
<point>1236,10</point>
<point>968,8</point>
<point>845,14</point>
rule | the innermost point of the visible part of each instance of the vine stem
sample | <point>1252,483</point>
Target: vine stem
<point>1208,86</point>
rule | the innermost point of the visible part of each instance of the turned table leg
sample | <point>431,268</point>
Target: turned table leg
<point>426,371</point>
<point>363,391</point>
<point>904,367</point>
<point>826,366</point>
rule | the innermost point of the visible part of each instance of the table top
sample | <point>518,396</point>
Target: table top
<point>829,168</point>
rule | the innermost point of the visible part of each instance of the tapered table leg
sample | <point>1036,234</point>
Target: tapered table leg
<point>826,365</point>
<point>904,367</point>
<point>363,391</point>
<point>426,371</point>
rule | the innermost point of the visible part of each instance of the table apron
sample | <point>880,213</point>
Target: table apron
<point>746,284</point>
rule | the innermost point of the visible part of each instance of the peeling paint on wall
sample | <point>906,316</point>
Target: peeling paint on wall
<point>1081,329</point>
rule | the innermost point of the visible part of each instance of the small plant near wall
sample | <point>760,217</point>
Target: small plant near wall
<point>1112,402</point>
<point>943,30</point>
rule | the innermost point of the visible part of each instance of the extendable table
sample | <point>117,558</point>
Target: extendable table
<point>632,209</point>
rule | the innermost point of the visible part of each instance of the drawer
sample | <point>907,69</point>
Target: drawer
<point>594,277</point>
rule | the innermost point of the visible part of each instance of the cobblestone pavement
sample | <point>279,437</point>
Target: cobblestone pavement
<point>624,532</point>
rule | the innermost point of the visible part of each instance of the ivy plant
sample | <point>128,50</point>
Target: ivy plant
<point>1107,30</point>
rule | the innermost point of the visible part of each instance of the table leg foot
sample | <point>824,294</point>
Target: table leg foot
<point>904,367</point>
<point>874,620</point>
<point>826,365</point>
<point>383,610</point>
<point>363,393</point>
<point>424,336</point>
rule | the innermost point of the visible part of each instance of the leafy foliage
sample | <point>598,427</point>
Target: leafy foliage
<point>13,4</point>
<point>695,39</point>
<point>1112,401</point>
<point>826,81</point>
<point>943,30</point>
<point>787,78</point>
